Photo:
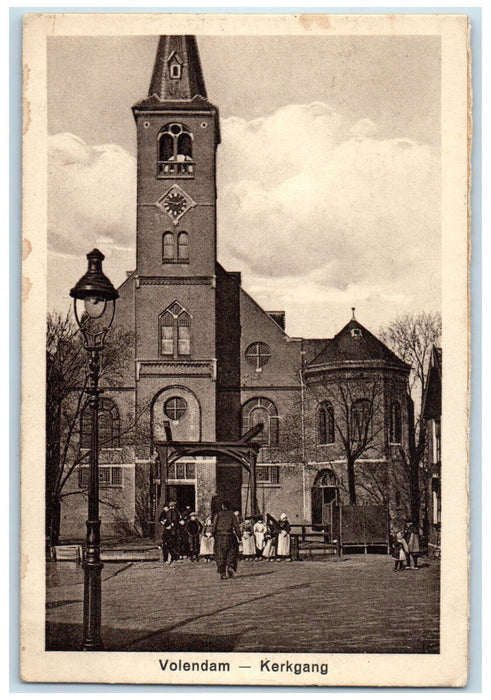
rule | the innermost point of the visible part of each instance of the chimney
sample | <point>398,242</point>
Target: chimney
<point>236,276</point>
<point>278,317</point>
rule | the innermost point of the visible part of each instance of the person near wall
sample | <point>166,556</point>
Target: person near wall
<point>400,552</point>
<point>226,531</point>
<point>259,530</point>
<point>193,529</point>
<point>207,545</point>
<point>248,542</point>
<point>413,545</point>
<point>284,538</point>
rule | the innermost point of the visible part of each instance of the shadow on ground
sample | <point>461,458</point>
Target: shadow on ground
<point>68,637</point>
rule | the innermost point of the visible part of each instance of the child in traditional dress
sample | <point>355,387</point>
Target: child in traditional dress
<point>400,552</point>
<point>193,528</point>
<point>413,545</point>
<point>207,541</point>
<point>259,530</point>
<point>269,551</point>
<point>248,541</point>
<point>182,539</point>
<point>284,539</point>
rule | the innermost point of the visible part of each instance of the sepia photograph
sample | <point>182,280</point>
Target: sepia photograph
<point>248,318</point>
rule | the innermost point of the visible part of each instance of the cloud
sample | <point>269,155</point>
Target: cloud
<point>364,127</point>
<point>317,213</point>
<point>92,195</point>
<point>314,204</point>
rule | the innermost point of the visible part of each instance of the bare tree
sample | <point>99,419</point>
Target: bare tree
<point>66,379</point>
<point>412,337</point>
<point>358,419</point>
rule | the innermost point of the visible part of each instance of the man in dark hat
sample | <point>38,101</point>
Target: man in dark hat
<point>170,520</point>
<point>226,531</point>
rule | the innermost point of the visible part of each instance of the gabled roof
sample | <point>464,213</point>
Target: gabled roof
<point>431,405</point>
<point>354,343</point>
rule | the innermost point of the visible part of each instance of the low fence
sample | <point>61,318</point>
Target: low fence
<point>346,527</point>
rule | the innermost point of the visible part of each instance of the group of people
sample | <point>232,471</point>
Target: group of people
<point>181,533</point>
<point>222,538</point>
<point>406,550</point>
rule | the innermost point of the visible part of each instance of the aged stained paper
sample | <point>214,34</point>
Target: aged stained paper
<point>326,157</point>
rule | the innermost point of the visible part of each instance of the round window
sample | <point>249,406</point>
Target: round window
<point>175,408</point>
<point>258,354</point>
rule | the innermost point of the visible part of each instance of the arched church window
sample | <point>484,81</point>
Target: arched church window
<point>183,247</point>
<point>168,248</point>
<point>172,253</point>
<point>261,410</point>
<point>109,425</point>
<point>175,331</point>
<point>175,152</point>
<point>395,423</point>
<point>360,419</point>
<point>325,419</point>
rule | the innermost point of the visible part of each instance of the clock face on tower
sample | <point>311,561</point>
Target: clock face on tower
<point>175,203</point>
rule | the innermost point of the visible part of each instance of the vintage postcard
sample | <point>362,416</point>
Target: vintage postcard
<point>245,349</point>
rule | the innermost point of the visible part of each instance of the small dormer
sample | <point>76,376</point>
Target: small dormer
<point>174,65</point>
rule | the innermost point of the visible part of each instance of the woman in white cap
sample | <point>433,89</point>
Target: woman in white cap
<point>207,541</point>
<point>284,539</point>
<point>248,542</point>
<point>259,533</point>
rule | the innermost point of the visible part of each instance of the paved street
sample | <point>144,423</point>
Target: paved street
<point>352,604</point>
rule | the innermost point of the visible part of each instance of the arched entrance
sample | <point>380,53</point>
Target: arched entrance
<point>325,495</point>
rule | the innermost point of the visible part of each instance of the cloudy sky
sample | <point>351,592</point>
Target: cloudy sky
<point>328,171</point>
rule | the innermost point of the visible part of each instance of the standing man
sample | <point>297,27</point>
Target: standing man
<point>226,531</point>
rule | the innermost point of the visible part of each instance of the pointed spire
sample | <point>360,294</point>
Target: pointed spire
<point>177,71</point>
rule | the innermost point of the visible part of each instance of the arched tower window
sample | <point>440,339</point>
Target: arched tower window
<point>175,152</point>
<point>172,253</point>
<point>168,247</point>
<point>261,410</point>
<point>183,247</point>
<point>109,425</point>
<point>395,423</point>
<point>325,418</point>
<point>360,419</point>
<point>175,331</point>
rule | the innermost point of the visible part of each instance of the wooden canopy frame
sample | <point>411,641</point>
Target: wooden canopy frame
<point>243,451</point>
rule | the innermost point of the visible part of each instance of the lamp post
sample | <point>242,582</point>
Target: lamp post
<point>94,306</point>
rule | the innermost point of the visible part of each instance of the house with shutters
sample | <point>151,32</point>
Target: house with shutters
<point>227,402</point>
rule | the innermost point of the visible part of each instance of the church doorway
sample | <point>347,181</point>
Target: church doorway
<point>183,494</point>
<point>325,495</point>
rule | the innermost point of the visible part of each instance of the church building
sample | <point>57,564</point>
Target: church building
<point>225,401</point>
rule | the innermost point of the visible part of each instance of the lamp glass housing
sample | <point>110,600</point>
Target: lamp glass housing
<point>94,306</point>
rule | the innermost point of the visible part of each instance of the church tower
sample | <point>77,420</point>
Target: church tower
<point>175,276</point>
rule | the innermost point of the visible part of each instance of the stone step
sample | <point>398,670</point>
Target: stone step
<point>130,555</point>
<point>67,552</point>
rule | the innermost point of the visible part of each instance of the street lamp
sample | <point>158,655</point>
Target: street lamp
<point>94,305</point>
